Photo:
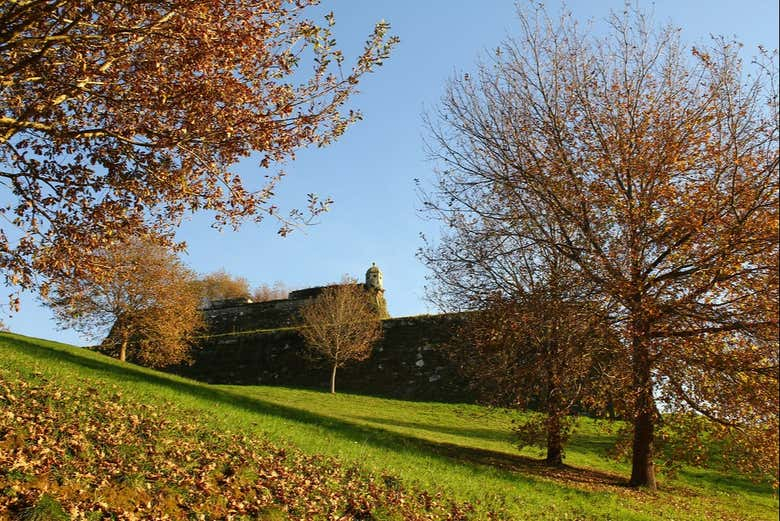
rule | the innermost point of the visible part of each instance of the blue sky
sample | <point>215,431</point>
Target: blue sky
<point>370,172</point>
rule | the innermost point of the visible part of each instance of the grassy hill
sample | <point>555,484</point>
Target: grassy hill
<point>145,440</point>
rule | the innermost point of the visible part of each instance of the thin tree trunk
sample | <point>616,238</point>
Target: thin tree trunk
<point>642,469</point>
<point>333,379</point>
<point>554,442</point>
<point>123,349</point>
<point>554,406</point>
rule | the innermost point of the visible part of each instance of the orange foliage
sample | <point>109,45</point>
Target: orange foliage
<point>119,117</point>
<point>538,351</point>
<point>656,175</point>
<point>222,285</point>
<point>341,325</point>
<point>148,304</point>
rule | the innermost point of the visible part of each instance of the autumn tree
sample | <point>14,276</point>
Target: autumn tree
<point>264,292</point>
<point>220,285</point>
<point>540,355</point>
<point>653,168</point>
<point>536,337</point>
<point>118,117</point>
<point>145,308</point>
<point>341,325</point>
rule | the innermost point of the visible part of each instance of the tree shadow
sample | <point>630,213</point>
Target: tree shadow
<point>499,459</point>
<point>713,476</point>
<point>594,444</point>
<point>723,482</point>
<point>476,433</point>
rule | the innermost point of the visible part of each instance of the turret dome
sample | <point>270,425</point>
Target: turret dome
<point>374,277</point>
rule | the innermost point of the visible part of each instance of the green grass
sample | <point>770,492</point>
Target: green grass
<point>45,509</point>
<point>463,451</point>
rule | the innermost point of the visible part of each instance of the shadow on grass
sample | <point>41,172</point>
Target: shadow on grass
<point>597,445</point>
<point>377,437</point>
<point>499,459</point>
<point>466,432</point>
<point>716,477</point>
<point>719,481</point>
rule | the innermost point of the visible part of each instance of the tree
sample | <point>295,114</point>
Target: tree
<point>146,308</point>
<point>264,292</point>
<point>221,285</point>
<point>537,354</point>
<point>118,117</point>
<point>537,336</point>
<point>341,325</point>
<point>656,175</point>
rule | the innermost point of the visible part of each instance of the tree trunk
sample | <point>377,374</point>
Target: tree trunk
<point>333,379</point>
<point>123,349</point>
<point>642,470</point>
<point>554,442</point>
<point>554,406</point>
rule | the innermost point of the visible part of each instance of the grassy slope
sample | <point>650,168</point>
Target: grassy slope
<point>461,449</point>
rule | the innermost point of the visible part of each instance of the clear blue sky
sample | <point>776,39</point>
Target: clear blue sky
<point>369,173</point>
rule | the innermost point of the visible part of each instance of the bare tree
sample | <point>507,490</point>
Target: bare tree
<point>656,175</point>
<point>144,308</point>
<point>341,325</point>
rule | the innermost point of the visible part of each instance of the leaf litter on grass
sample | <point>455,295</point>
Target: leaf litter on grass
<point>92,454</point>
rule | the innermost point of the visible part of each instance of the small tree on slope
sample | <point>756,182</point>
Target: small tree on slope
<point>145,307</point>
<point>341,325</point>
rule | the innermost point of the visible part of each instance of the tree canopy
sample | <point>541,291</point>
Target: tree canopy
<point>118,117</point>
<point>145,309</point>
<point>653,168</point>
<point>341,325</point>
<point>220,285</point>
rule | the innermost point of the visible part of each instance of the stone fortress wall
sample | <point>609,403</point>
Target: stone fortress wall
<point>258,344</point>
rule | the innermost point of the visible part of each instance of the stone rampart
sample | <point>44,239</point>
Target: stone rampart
<point>243,317</point>
<point>409,362</point>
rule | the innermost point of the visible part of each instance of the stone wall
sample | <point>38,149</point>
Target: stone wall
<point>271,314</point>
<point>408,363</point>
<point>240,315</point>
